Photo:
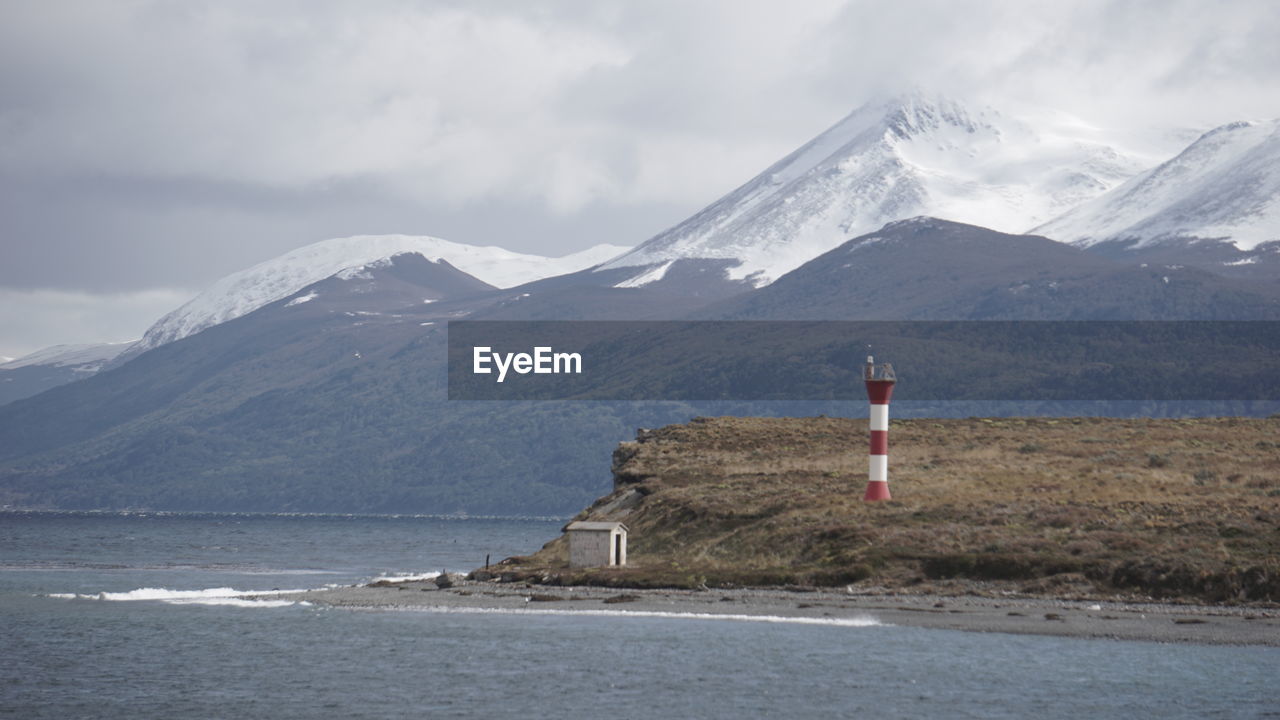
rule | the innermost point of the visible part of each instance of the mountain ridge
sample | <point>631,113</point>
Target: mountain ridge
<point>56,365</point>
<point>931,269</point>
<point>242,292</point>
<point>1225,186</point>
<point>338,402</point>
<point>889,160</point>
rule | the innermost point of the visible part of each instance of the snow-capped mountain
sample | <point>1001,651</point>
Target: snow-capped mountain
<point>931,269</point>
<point>910,156</point>
<point>1224,186</point>
<point>53,366</point>
<point>243,292</point>
<point>86,359</point>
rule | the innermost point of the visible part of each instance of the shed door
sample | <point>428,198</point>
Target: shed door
<point>617,549</point>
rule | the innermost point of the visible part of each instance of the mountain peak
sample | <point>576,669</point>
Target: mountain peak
<point>87,357</point>
<point>896,157</point>
<point>242,292</point>
<point>1224,186</point>
<point>917,112</point>
<point>923,222</point>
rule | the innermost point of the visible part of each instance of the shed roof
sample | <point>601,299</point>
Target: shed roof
<point>596,526</point>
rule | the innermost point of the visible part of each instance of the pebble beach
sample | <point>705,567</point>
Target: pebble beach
<point>1153,622</point>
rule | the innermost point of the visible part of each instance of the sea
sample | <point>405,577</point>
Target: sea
<point>141,615</point>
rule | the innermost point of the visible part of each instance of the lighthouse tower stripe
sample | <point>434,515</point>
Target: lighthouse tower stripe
<point>879,456</point>
<point>879,418</point>
<point>878,470</point>
<point>879,442</point>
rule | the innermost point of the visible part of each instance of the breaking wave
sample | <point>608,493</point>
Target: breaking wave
<point>223,595</point>
<point>209,596</point>
<point>406,578</point>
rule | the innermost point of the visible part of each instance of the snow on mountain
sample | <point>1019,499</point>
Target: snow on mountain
<point>910,156</point>
<point>243,292</point>
<point>1226,185</point>
<point>81,358</point>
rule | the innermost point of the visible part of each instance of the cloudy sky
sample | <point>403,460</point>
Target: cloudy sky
<point>148,147</point>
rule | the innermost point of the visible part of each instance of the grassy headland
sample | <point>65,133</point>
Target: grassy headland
<point>1071,507</point>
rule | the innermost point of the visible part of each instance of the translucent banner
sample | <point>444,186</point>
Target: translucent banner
<point>936,361</point>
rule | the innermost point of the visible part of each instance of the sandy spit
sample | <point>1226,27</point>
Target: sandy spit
<point>1154,622</point>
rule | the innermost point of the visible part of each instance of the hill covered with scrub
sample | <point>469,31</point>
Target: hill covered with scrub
<point>1072,507</point>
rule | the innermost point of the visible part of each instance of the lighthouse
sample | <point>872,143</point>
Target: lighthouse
<point>880,381</point>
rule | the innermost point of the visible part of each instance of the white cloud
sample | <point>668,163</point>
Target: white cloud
<point>1155,61</point>
<point>569,104</point>
<point>285,95</point>
<point>31,320</point>
<point>462,104</point>
<point>149,143</point>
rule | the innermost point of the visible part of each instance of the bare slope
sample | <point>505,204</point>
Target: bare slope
<point>1082,507</point>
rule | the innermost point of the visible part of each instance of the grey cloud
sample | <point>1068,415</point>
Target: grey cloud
<point>32,320</point>
<point>154,144</point>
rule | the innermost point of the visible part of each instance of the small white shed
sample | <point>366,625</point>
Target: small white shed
<point>597,544</point>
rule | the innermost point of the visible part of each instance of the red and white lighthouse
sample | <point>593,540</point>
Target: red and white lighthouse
<point>880,381</point>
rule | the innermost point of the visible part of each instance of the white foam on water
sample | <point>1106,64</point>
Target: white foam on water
<point>208,596</point>
<point>237,602</point>
<point>860,621</point>
<point>406,578</point>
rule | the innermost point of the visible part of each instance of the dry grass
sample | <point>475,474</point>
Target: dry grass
<point>1182,508</point>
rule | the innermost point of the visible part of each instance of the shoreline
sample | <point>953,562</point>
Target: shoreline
<point>1111,620</point>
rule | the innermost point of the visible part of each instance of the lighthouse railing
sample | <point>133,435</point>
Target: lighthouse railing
<point>882,371</point>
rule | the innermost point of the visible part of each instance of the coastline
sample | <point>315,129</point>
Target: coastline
<point>1111,620</point>
<point>1072,508</point>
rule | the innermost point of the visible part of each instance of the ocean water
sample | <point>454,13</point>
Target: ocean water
<point>115,615</point>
